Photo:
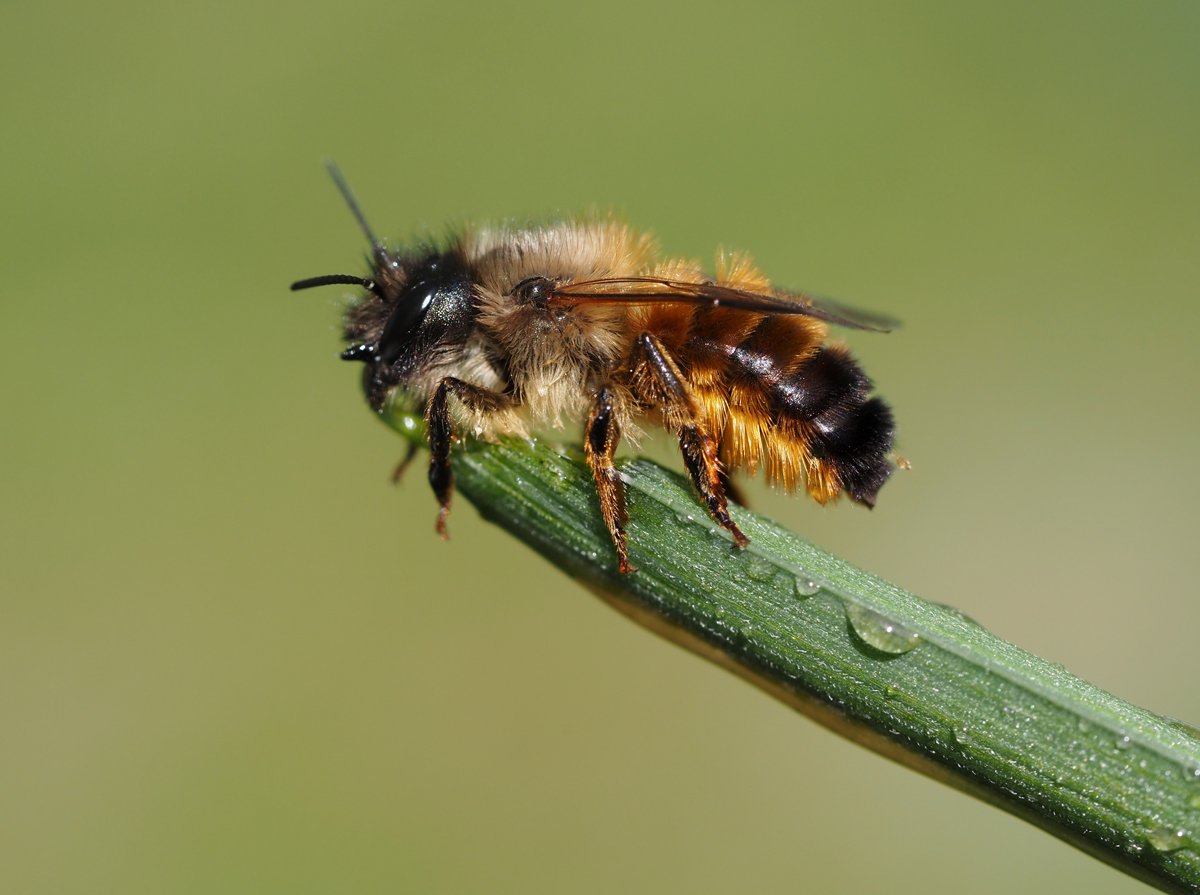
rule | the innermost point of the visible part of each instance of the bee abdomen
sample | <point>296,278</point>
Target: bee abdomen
<point>844,427</point>
<point>840,434</point>
<point>856,442</point>
<point>829,379</point>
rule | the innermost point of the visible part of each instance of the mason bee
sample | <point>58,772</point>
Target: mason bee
<point>509,330</point>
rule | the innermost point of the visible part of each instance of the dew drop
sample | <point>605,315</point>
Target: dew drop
<point>880,631</point>
<point>806,587</point>
<point>962,735</point>
<point>1164,839</point>
<point>1124,742</point>
<point>759,569</point>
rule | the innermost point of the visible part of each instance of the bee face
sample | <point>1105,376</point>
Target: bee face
<point>418,310</point>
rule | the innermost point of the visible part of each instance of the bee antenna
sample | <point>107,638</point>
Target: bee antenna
<point>344,189</point>
<point>337,279</point>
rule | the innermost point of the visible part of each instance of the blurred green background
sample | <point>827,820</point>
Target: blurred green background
<point>234,659</point>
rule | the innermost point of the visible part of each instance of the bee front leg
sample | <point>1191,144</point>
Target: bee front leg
<point>437,422</point>
<point>698,447</point>
<point>599,445</point>
<point>402,466</point>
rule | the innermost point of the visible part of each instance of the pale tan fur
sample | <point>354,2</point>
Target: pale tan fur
<point>551,356</point>
<point>471,366</point>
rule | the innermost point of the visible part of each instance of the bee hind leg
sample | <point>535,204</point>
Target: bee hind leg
<point>698,447</point>
<point>600,445</point>
<point>437,421</point>
<point>700,457</point>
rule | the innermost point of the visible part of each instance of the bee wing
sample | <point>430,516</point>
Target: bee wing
<point>634,290</point>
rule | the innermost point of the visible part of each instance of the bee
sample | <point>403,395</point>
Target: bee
<point>505,331</point>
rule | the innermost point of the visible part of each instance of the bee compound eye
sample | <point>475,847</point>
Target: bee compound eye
<point>406,317</point>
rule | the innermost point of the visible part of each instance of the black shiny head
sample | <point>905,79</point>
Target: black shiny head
<point>432,311</point>
<point>415,310</point>
<point>429,313</point>
<point>414,313</point>
<point>435,305</point>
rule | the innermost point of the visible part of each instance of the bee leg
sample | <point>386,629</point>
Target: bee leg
<point>698,447</point>
<point>700,457</point>
<point>599,445</point>
<point>402,466</point>
<point>437,422</point>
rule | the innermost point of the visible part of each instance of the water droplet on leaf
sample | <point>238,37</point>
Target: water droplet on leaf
<point>806,587</point>
<point>758,568</point>
<point>1165,839</point>
<point>880,631</point>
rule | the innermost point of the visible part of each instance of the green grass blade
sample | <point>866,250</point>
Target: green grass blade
<point>913,680</point>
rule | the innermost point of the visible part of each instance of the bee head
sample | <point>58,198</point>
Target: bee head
<point>412,311</point>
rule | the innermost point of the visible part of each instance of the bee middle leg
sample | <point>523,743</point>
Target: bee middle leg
<point>599,445</point>
<point>437,422</point>
<point>699,448</point>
